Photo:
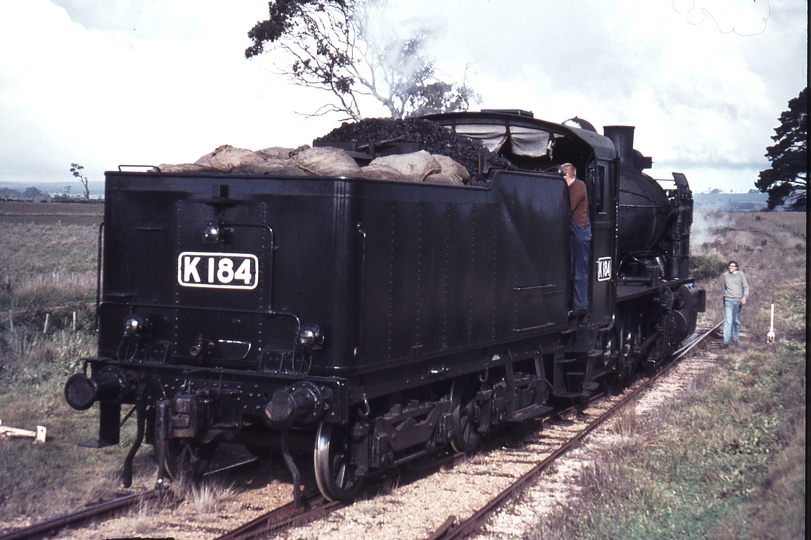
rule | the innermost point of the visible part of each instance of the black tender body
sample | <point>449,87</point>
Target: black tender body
<point>375,321</point>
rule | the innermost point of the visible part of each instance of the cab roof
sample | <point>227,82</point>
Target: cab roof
<point>530,135</point>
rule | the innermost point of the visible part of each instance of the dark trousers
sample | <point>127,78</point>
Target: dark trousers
<point>580,238</point>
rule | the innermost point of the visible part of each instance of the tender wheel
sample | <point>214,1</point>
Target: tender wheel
<point>184,457</point>
<point>334,471</point>
<point>466,437</point>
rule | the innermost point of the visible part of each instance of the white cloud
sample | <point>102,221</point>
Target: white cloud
<point>726,16</point>
<point>114,82</point>
<point>142,20</point>
<point>700,98</point>
<point>78,92</point>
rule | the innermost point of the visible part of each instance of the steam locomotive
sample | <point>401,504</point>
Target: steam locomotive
<point>374,322</point>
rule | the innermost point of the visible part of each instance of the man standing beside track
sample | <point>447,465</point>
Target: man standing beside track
<point>580,238</point>
<point>736,289</point>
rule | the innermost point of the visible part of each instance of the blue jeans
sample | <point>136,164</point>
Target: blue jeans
<point>580,239</point>
<point>732,320</point>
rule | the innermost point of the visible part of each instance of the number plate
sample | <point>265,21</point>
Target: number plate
<point>604,269</point>
<point>218,270</point>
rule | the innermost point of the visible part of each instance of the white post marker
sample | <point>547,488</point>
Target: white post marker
<point>770,335</point>
<point>38,435</point>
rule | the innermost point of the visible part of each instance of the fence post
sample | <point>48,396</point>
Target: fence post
<point>74,321</point>
<point>47,320</point>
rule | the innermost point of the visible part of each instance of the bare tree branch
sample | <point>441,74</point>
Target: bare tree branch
<point>332,45</point>
<point>77,169</point>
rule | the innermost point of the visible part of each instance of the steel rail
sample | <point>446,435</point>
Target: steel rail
<point>55,525</point>
<point>315,506</point>
<point>471,524</point>
<point>700,339</point>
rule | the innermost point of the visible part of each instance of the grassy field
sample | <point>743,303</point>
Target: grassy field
<point>89,213</point>
<point>48,271</point>
<point>739,470</point>
<point>729,462</point>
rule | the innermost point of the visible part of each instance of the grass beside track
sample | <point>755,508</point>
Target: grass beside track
<point>728,465</point>
<point>727,460</point>
<point>48,270</point>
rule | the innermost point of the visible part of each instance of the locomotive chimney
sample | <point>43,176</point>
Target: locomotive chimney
<point>623,139</point>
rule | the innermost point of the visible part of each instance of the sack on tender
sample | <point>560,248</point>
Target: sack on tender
<point>380,171</point>
<point>443,178</point>
<point>326,161</point>
<point>413,167</point>
<point>452,167</point>
<point>282,167</point>
<point>275,152</point>
<point>226,157</point>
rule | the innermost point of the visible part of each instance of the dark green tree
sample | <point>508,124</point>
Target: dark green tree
<point>786,180</point>
<point>282,19</point>
<point>333,45</point>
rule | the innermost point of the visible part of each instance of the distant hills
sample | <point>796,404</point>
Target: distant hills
<point>46,190</point>
<point>730,202</point>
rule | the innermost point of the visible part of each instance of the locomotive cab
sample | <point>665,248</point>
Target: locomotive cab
<point>534,145</point>
<point>639,249</point>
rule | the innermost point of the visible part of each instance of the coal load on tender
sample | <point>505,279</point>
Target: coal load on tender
<point>371,148</point>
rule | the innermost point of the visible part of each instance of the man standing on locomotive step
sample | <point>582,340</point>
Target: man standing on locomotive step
<point>736,289</point>
<point>579,239</point>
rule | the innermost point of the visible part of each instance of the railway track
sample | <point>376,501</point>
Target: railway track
<point>94,513</point>
<point>606,408</point>
<point>560,433</point>
<point>315,506</point>
<point>559,436</point>
<point>102,511</point>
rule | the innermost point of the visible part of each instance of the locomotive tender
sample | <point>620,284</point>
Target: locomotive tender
<point>375,321</point>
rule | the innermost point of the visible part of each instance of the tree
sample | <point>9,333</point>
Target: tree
<point>335,45</point>
<point>786,181</point>
<point>35,194</point>
<point>76,169</point>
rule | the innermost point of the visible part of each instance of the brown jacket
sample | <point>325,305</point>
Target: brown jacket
<point>580,202</point>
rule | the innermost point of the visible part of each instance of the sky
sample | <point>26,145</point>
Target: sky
<point>165,81</point>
